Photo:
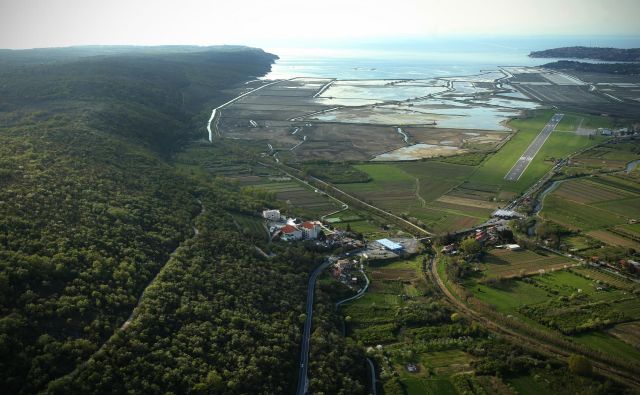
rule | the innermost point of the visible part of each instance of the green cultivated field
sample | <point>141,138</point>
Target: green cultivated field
<point>505,263</point>
<point>595,203</point>
<point>412,188</point>
<point>571,303</point>
<point>420,386</point>
<point>251,226</point>
<point>608,344</point>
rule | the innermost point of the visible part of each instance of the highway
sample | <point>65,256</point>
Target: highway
<point>523,162</point>
<point>303,379</point>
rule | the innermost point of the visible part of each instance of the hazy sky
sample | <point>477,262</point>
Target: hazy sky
<point>45,23</point>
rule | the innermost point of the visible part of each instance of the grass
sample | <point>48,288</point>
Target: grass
<point>251,226</point>
<point>411,189</point>
<point>598,275</point>
<point>421,386</point>
<point>578,216</point>
<point>505,263</point>
<point>559,145</point>
<point>510,295</point>
<point>608,344</point>
<point>446,362</point>
<point>595,204</point>
<point>526,385</point>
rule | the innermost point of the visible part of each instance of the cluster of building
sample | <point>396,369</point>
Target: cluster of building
<point>342,270</point>
<point>291,228</point>
<point>486,236</point>
<point>617,132</point>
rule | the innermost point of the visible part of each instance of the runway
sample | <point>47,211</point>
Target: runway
<point>523,162</point>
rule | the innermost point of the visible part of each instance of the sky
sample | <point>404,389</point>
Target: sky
<point>51,23</point>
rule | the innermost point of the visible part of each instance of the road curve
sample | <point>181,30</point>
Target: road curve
<point>361,292</point>
<point>303,379</point>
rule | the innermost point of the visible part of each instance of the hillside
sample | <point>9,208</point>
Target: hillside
<point>596,53</point>
<point>91,212</point>
<point>605,68</point>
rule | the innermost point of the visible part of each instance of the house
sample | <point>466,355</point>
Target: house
<point>506,214</point>
<point>448,248</point>
<point>271,215</point>
<point>290,232</point>
<point>310,230</point>
<point>481,236</point>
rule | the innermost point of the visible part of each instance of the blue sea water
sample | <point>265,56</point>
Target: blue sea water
<point>423,58</point>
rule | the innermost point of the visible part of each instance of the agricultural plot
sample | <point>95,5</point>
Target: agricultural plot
<point>298,196</point>
<point>628,332</point>
<point>592,204</point>
<point>422,386</point>
<point>600,206</point>
<point>506,263</point>
<point>566,301</point>
<point>606,278</point>
<point>609,344</point>
<point>251,226</point>
<point>414,189</point>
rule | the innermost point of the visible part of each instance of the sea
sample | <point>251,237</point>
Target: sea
<point>422,58</point>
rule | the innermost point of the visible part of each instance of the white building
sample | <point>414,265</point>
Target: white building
<point>310,230</point>
<point>272,215</point>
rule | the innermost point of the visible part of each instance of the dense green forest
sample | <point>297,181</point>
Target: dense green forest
<point>608,68</point>
<point>91,212</point>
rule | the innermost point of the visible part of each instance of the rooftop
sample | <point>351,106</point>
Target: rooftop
<point>386,243</point>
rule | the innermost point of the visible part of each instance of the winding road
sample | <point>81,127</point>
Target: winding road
<point>303,377</point>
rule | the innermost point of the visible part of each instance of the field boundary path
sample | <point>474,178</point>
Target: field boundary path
<point>128,321</point>
<point>527,157</point>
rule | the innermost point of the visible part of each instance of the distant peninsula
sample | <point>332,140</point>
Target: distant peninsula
<point>596,53</point>
<point>607,68</point>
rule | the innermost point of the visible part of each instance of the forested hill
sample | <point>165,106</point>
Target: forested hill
<point>151,95</point>
<point>596,53</point>
<point>606,68</point>
<point>90,212</point>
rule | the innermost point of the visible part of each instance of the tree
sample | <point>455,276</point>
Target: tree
<point>580,365</point>
<point>470,246</point>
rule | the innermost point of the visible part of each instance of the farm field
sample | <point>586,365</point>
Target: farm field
<point>297,196</point>
<point>608,344</point>
<point>628,332</point>
<point>251,226</point>
<point>592,204</point>
<point>398,288</point>
<point>500,263</point>
<point>600,207</point>
<point>607,278</point>
<point>613,156</point>
<point>413,190</point>
<point>422,386</point>
<point>569,302</point>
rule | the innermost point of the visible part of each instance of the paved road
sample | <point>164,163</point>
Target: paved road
<point>521,165</point>
<point>303,379</point>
